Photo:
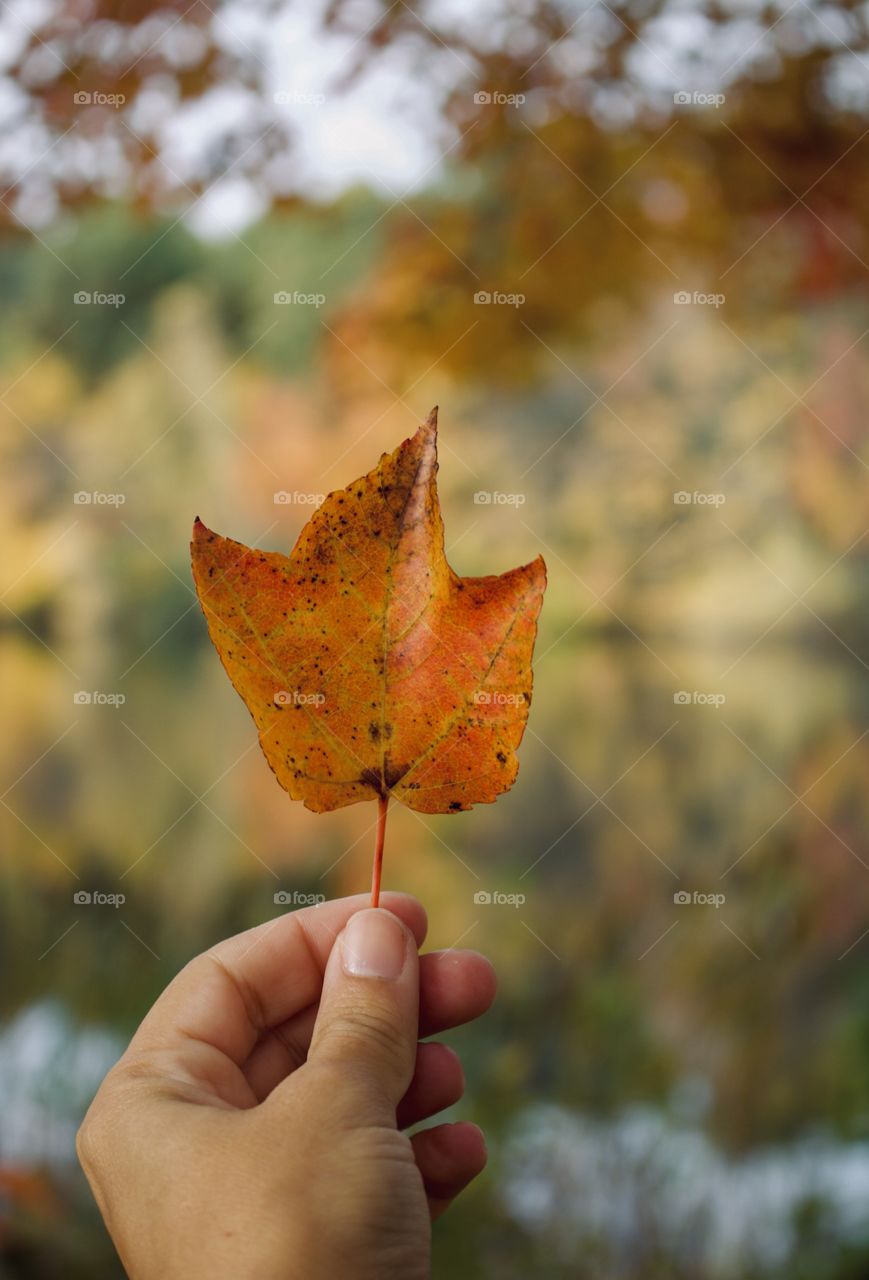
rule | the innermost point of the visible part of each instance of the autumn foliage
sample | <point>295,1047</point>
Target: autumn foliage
<point>370,668</point>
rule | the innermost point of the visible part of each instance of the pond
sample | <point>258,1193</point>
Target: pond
<point>673,1078</point>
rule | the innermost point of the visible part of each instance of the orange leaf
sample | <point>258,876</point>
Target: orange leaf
<point>370,668</point>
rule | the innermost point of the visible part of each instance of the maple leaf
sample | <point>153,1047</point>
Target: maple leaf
<point>371,669</point>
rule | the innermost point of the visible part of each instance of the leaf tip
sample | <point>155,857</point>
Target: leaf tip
<point>201,533</point>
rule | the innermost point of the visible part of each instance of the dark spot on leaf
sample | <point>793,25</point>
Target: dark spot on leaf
<point>394,772</point>
<point>371,779</point>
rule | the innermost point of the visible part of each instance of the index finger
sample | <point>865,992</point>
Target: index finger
<point>228,996</point>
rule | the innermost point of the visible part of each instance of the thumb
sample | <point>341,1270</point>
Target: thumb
<point>368,1021</point>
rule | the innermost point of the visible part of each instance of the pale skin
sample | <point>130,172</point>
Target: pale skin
<point>254,1128</point>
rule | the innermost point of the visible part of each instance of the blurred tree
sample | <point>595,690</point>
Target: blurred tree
<point>96,88</point>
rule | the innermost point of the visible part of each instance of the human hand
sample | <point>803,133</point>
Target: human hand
<point>253,1128</point>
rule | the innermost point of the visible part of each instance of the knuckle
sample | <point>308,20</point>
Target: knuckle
<point>89,1140</point>
<point>84,1143</point>
<point>98,1133</point>
<point>371,1032</point>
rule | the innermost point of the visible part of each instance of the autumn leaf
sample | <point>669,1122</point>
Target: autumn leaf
<point>371,669</point>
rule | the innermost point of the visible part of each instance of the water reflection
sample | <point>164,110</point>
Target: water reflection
<point>49,1070</point>
<point>613,992</point>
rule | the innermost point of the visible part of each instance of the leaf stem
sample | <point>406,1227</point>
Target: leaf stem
<point>382,806</point>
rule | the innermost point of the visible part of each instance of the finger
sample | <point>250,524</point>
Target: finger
<point>455,987</point>
<point>279,1052</point>
<point>438,1081</point>
<point>228,996</point>
<point>365,1035</point>
<point>449,1156</point>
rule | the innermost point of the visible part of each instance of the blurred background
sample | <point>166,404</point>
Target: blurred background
<point>245,248</point>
